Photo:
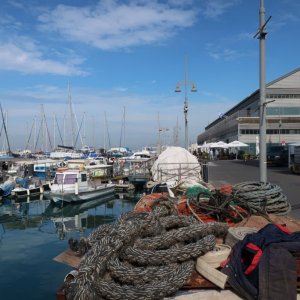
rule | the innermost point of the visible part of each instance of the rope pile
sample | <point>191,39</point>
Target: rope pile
<point>142,256</point>
<point>261,197</point>
<point>219,206</point>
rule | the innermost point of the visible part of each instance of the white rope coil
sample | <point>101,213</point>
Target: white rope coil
<point>236,234</point>
<point>216,256</point>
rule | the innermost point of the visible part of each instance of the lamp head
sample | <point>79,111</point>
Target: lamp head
<point>194,88</point>
<point>177,90</point>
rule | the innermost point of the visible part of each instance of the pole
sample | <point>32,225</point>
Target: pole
<point>262,124</point>
<point>186,105</point>
<point>186,128</point>
<point>186,109</point>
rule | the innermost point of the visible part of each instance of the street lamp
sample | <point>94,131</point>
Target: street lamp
<point>161,130</point>
<point>185,107</point>
<point>261,34</point>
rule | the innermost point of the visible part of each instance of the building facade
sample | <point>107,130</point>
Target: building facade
<point>241,122</point>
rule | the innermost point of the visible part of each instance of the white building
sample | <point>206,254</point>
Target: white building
<point>242,121</point>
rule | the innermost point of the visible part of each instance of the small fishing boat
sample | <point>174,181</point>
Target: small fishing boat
<point>32,190</point>
<point>73,185</point>
<point>6,187</point>
<point>26,187</point>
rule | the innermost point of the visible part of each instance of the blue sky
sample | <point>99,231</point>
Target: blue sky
<point>129,55</point>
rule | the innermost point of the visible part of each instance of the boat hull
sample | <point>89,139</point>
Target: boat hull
<point>24,193</point>
<point>82,196</point>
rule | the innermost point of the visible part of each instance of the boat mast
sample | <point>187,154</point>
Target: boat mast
<point>176,133</point>
<point>74,122</point>
<point>5,129</point>
<point>71,116</point>
<point>122,130</point>
<point>54,130</point>
<point>47,134</point>
<point>109,145</point>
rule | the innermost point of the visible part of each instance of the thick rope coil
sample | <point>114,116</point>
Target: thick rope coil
<point>126,273</point>
<point>157,289</point>
<point>184,234</point>
<point>118,264</point>
<point>172,221</point>
<point>147,257</point>
<point>259,196</point>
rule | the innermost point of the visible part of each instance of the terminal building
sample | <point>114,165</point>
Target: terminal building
<point>241,122</point>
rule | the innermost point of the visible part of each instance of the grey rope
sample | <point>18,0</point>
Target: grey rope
<point>259,196</point>
<point>142,256</point>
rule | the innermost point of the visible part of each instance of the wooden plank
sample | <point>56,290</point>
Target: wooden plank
<point>69,258</point>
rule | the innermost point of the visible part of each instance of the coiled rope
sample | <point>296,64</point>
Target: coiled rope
<point>142,256</point>
<point>259,196</point>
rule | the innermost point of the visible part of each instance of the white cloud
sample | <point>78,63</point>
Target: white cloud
<point>25,57</point>
<point>220,53</point>
<point>113,25</point>
<point>216,8</point>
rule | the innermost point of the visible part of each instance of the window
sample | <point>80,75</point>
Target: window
<point>70,179</point>
<point>59,178</point>
<point>280,111</point>
<point>248,112</point>
<point>83,177</point>
<point>249,131</point>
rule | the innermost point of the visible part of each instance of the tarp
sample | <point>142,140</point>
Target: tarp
<point>176,163</point>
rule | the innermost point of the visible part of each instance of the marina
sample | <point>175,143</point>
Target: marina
<point>106,193</point>
<point>35,231</point>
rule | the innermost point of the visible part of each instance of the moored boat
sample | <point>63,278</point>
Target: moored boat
<point>32,190</point>
<point>72,185</point>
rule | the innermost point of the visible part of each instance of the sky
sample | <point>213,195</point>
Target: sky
<point>118,64</point>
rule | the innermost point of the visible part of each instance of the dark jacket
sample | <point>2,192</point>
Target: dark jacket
<point>263,265</point>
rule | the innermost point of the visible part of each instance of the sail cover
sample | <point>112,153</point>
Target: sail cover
<point>176,163</point>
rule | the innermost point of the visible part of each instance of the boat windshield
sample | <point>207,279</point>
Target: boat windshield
<point>59,178</point>
<point>70,179</point>
<point>65,179</point>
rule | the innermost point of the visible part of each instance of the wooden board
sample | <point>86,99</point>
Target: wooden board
<point>259,222</point>
<point>69,258</point>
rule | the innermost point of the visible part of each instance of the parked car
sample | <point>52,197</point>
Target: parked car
<point>277,155</point>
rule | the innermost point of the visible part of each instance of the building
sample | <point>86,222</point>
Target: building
<point>241,122</point>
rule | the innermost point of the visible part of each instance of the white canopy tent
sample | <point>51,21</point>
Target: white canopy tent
<point>237,144</point>
<point>219,144</point>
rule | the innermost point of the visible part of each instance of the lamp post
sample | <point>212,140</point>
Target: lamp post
<point>161,130</point>
<point>261,34</point>
<point>185,107</point>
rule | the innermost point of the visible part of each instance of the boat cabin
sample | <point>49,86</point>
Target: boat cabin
<point>65,180</point>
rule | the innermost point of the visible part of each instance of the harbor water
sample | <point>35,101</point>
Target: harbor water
<point>34,231</point>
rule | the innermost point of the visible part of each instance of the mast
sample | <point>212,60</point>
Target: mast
<point>5,129</point>
<point>109,145</point>
<point>74,121</point>
<point>54,118</point>
<point>122,130</point>
<point>71,116</point>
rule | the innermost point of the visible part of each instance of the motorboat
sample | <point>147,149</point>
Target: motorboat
<point>73,185</point>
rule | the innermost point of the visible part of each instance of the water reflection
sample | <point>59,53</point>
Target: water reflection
<point>33,232</point>
<point>62,219</point>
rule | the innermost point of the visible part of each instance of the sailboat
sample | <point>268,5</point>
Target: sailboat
<point>69,152</point>
<point>5,154</point>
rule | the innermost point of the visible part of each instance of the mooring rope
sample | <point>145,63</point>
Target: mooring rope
<point>141,256</point>
<point>259,196</point>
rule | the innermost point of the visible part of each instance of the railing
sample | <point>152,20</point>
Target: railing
<point>178,171</point>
